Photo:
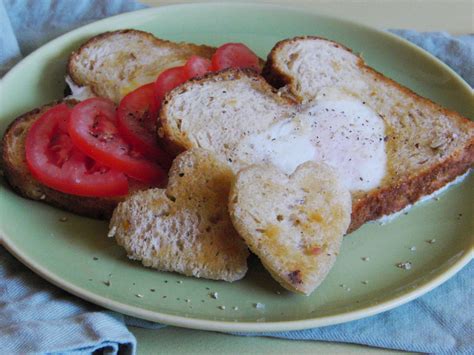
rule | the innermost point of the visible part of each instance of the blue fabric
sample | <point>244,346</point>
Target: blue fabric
<point>457,52</point>
<point>27,24</point>
<point>38,317</point>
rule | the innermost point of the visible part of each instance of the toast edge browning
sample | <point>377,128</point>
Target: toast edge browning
<point>392,199</point>
<point>20,179</point>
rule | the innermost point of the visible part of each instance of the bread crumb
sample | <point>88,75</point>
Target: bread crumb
<point>259,305</point>
<point>365,258</point>
<point>222,307</point>
<point>63,219</point>
<point>404,265</point>
<point>431,241</point>
<point>235,308</point>
<point>413,248</point>
<point>214,295</point>
<point>112,232</point>
<point>139,295</point>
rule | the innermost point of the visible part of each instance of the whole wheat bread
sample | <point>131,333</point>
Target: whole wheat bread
<point>114,63</point>
<point>426,145</point>
<point>295,223</point>
<point>185,228</point>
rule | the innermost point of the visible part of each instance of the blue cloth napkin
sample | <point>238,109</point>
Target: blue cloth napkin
<point>35,316</point>
<point>38,317</point>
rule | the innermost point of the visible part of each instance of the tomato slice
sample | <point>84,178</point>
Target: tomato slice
<point>93,129</point>
<point>234,55</point>
<point>136,121</point>
<point>56,162</point>
<point>168,80</point>
<point>197,66</point>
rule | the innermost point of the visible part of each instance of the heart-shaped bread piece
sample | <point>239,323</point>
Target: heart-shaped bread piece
<point>185,228</point>
<point>294,224</point>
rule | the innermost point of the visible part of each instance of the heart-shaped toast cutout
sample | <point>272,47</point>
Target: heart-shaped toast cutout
<point>185,228</point>
<point>295,223</point>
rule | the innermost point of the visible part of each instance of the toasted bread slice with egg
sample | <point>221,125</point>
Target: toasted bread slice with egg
<point>18,175</point>
<point>114,63</point>
<point>405,146</point>
<point>427,145</point>
<point>185,228</point>
<point>294,224</point>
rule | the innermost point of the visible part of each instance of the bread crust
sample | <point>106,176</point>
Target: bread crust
<point>394,198</point>
<point>18,176</point>
<point>406,189</point>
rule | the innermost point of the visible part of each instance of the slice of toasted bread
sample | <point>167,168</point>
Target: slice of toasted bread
<point>114,63</point>
<point>425,145</point>
<point>19,177</point>
<point>217,111</point>
<point>295,223</point>
<point>185,228</point>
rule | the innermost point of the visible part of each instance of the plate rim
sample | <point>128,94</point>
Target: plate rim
<point>225,326</point>
<point>217,325</point>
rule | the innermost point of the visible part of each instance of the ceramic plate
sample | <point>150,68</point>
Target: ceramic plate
<point>77,256</point>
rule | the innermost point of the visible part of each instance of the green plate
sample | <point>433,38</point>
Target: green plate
<point>77,256</point>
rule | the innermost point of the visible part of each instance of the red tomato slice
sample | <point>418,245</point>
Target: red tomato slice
<point>234,55</point>
<point>56,162</point>
<point>197,66</point>
<point>168,80</point>
<point>136,121</point>
<point>93,129</point>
